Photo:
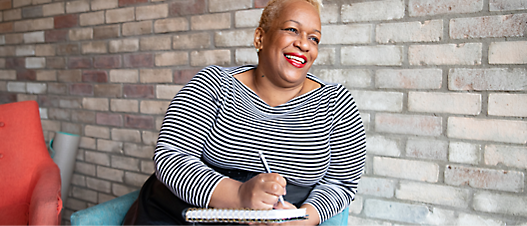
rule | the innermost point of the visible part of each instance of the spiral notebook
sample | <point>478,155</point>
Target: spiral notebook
<point>212,215</point>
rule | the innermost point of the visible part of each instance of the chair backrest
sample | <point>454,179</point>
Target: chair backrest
<point>22,147</point>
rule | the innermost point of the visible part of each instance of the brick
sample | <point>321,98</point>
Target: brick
<point>239,38</point>
<point>167,92</point>
<point>26,75</point>
<point>103,4</point>
<point>131,2</point>
<point>53,9</point>
<point>184,76</point>
<point>7,50</point>
<point>125,163</point>
<point>171,58</point>
<point>502,104</point>
<point>347,34</point>
<point>89,19</point>
<point>97,132</point>
<point>57,88</point>
<point>35,62</point>
<point>406,169</point>
<point>150,138</point>
<point>94,47</point>
<point>109,146</point>
<point>79,62</point>
<point>8,97</point>
<point>32,12</point>
<point>409,78</point>
<point>84,194</point>
<point>106,32</point>
<point>140,151</point>
<point>488,27</point>
<point>98,185</point>
<point>7,75</point>
<point>26,50</point>
<point>73,102</point>
<point>211,21</point>
<point>427,149</point>
<point>147,167</point>
<point>137,28</point>
<point>2,63</point>
<point>326,56</point>
<point>94,76</point>
<point>75,204</point>
<point>82,116</point>
<point>409,124</point>
<point>510,156</point>
<point>89,143</point>
<point>69,75</point>
<point>245,56</point>
<point>153,107</point>
<point>68,49</point>
<point>436,194</point>
<point>461,152</point>
<point>503,180</point>
<point>171,25</point>
<point>109,119</point>
<point>84,168</point>
<point>155,43</point>
<point>155,75</point>
<point>36,88</point>
<point>429,31</point>
<point>46,75</point>
<point>499,79</point>
<point>45,50</point>
<point>506,5</point>
<point>26,97</point>
<point>110,174</point>
<point>372,11</point>
<point>13,14</point>
<point>124,45</point>
<point>105,198</point>
<point>151,12</point>
<point>107,90</point>
<point>6,27</point>
<point>77,6</point>
<point>210,57</point>
<point>96,104</point>
<point>135,179</point>
<point>126,135</point>
<point>445,54</point>
<point>436,7</point>
<point>81,89</point>
<point>453,103</point>
<point>247,18</point>
<point>356,205</point>
<point>378,101</point>
<point>59,114</point>
<point>80,34</point>
<point>228,5</point>
<point>5,4</point>
<point>107,62</point>
<point>508,52</point>
<point>13,38</point>
<point>119,105</point>
<point>124,76</point>
<point>56,36</point>
<point>354,220</point>
<point>192,41</point>
<point>372,55</point>
<point>469,219</point>
<point>65,21</point>
<point>138,60</point>
<point>38,2</point>
<point>55,63</point>
<point>120,15</point>
<point>408,213</point>
<point>138,91</point>
<point>187,7</point>
<point>120,190</point>
<point>19,87</point>
<point>508,131</point>
<point>380,187</point>
<point>329,13</point>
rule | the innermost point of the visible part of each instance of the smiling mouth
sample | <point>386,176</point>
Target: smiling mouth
<point>297,61</point>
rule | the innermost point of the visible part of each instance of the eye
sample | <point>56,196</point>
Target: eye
<point>315,39</point>
<point>294,30</point>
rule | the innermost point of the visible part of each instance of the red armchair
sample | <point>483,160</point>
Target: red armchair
<point>29,179</point>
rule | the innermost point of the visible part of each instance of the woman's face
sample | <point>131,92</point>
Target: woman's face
<point>290,46</point>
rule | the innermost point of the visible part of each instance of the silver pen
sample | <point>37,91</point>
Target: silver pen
<point>264,162</point>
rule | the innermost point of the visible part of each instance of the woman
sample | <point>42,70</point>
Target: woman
<point>310,132</point>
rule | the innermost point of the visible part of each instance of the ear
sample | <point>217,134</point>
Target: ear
<point>258,38</point>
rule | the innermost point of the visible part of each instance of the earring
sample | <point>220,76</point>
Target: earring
<point>257,50</point>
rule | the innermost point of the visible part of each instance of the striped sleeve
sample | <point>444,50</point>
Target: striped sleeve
<point>180,144</point>
<point>337,188</point>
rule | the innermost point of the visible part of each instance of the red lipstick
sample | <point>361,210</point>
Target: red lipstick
<point>296,59</point>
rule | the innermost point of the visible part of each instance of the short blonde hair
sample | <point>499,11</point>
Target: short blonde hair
<point>274,6</point>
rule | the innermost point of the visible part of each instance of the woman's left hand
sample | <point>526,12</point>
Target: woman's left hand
<point>310,210</point>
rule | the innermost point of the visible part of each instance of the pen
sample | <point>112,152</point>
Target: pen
<point>264,162</point>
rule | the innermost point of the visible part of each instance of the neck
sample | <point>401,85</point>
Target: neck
<point>271,93</point>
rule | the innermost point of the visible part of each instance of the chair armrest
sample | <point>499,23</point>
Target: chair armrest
<point>46,205</point>
<point>108,213</point>
<point>339,219</point>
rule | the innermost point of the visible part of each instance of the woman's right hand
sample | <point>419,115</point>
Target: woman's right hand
<point>262,191</point>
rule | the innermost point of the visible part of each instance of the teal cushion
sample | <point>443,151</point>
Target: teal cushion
<point>108,213</point>
<point>339,219</point>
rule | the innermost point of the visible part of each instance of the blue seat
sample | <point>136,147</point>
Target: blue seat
<point>113,212</point>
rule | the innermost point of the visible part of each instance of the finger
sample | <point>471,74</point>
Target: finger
<point>288,205</point>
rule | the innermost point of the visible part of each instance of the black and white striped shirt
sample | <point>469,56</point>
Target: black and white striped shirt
<point>314,139</point>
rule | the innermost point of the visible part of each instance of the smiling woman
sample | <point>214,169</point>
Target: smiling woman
<point>310,131</point>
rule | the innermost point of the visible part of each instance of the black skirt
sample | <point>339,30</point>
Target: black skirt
<point>157,205</point>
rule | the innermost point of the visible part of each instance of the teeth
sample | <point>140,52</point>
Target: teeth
<point>296,58</point>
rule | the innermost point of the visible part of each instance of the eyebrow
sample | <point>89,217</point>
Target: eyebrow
<point>294,21</point>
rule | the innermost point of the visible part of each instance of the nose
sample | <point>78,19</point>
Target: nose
<point>302,42</point>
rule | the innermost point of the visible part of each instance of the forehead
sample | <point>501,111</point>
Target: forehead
<point>299,11</point>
